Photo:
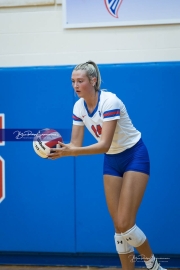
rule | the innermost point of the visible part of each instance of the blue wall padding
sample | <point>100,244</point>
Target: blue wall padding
<point>38,212</point>
<point>59,206</point>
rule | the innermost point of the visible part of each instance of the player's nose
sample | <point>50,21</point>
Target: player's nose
<point>76,85</point>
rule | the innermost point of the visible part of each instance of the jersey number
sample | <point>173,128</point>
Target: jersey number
<point>97,130</point>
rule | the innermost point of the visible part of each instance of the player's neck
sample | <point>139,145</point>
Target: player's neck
<point>92,101</point>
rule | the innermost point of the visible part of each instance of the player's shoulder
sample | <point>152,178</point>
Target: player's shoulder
<point>109,97</point>
<point>79,102</point>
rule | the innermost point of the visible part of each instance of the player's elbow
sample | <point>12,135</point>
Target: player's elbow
<point>105,147</point>
<point>106,150</point>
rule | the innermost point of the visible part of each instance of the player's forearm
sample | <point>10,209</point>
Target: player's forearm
<point>97,148</point>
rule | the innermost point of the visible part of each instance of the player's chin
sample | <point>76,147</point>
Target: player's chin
<point>78,93</point>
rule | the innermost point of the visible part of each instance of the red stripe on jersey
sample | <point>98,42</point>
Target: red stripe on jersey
<point>76,118</point>
<point>111,113</point>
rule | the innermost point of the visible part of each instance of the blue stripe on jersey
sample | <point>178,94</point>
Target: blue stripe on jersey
<point>75,118</point>
<point>111,113</point>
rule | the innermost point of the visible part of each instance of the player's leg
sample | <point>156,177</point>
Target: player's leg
<point>112,186</point>
<point>132,191</point>
<point>132,167</point>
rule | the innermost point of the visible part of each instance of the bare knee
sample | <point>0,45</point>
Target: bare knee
<point>123,224</point>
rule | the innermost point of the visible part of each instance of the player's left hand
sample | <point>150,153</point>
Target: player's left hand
<point>62,150</point>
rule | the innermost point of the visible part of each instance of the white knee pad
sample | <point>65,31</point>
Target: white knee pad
<point>134,236</point>
<point>122,246</point>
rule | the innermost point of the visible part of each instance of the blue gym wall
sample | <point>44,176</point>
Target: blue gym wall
<point>58,207</point>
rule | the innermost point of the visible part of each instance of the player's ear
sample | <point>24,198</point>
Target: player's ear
<point>93,81</point>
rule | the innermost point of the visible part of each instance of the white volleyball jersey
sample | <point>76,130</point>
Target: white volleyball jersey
<point>109,107</point>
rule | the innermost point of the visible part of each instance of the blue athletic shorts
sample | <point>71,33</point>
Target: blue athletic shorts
<point>135,158</point>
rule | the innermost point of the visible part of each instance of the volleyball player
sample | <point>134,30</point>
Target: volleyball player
<point>126,161</point>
